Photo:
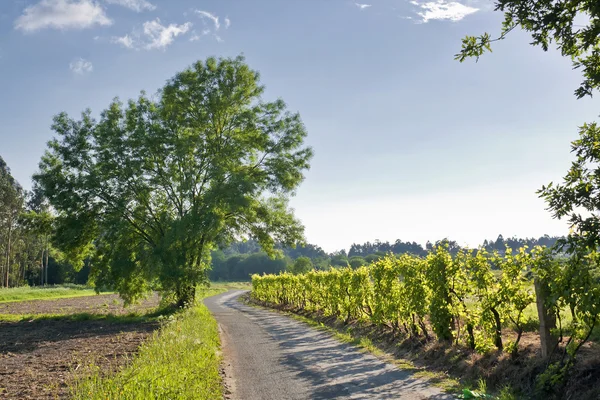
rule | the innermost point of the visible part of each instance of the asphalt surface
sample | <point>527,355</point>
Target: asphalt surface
<point>269,356</point>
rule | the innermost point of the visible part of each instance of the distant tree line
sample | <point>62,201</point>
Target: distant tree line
<point>241,259</point>
<point>27,256</point>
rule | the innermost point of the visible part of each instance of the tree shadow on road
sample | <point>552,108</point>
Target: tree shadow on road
<point>334,369</point>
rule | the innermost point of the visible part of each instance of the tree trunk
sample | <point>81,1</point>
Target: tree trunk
<point>498,333</point>
<point>185,296</point>
<point>471,339</point>
<point>42,267</point>
<point>8,254</point>
<point>547,320</point>
<point>46,269</point>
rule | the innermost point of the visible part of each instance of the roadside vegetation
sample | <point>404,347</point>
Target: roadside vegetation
<point>180,361</point>
<point>95,343</point>
<point>470,314</point>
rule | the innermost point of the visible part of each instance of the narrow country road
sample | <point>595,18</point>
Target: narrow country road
<point>269,356</point>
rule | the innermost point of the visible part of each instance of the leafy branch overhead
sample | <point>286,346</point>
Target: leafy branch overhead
<point>156,184</point>
<point>574,283</point>
<point>547,22</point>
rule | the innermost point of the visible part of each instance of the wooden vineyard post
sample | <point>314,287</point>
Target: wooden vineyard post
<point>547,319</point>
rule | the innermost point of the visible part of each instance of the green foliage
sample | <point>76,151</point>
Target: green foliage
<point>577,197</point>
<point>437,275</point>
<point>578,283</point>
<point>572,25</point>
<point>339,260</point>
<point>553,377</point>
<point>356,261</point>
<point>152,187</point>
<point>241,267</point>
<point>301,266</point>
<point>371,258</point>
<point>514,290</point>
<point>456,297</point>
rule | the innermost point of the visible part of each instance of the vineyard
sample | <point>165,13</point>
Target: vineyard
<point>484,301</point>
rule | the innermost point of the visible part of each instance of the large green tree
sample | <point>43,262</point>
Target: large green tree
<point>154,185</point>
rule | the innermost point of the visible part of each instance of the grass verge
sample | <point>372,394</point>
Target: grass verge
<point>45,292</point>
<point>180,361</point>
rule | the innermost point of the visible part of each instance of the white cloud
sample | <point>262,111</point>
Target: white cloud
<point>135,5</point>
<point>362,6</point>
<point>212,25</point>
<point>153,35</point>
<point>214,18</point>
<point>62,14</point>
<point>160,36</point>
<point>125,41</point>
<point>443,10</point>
<point>81,66</point>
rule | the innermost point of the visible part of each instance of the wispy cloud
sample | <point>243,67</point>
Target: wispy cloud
<point>212,25</point>
<point>135,5</point>
<point>125,41</point>
<point>161,36</point>
<point>443,10</point>
<point>210,16</point>
<point>362,6</point>
<point>62,14</point>
<point>81,66</point>
<point>154,35</point>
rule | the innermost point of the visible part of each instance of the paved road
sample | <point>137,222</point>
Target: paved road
<point>269,356</point>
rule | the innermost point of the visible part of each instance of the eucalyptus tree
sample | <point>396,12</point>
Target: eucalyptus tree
<point>11,203</point>
<point>149,188</point>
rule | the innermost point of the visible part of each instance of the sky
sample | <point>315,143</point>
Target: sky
<point>409,143</point>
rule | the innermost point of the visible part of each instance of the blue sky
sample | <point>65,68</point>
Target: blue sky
<point>408,143</point>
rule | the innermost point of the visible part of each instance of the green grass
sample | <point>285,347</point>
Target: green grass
<point>43,293</point>
<point>180,361</point>
<point>70,290</point>
<point>131,317</point>
<point>224,286</point>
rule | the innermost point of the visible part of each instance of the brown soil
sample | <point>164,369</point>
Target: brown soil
<point>38,358</point>
<point>97,304</point>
